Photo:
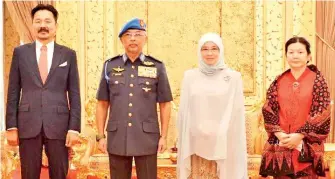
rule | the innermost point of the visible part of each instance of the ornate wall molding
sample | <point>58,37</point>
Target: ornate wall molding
<point>254,38</point>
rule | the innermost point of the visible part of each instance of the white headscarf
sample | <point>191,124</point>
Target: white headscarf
<point>220,64</point>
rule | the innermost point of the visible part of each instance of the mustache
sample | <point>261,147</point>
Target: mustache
<point>43,29</point>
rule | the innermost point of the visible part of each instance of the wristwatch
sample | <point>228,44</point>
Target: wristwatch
<point>99,137</point>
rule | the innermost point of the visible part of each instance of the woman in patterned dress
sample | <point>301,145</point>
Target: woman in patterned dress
<point>297,118</point>
<point>212,138</point>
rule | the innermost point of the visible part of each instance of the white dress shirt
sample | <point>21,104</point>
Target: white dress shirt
<point>50,51</point>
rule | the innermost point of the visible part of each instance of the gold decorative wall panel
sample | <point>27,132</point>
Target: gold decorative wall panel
<point>274,39</point>
<point>94,45</point>
<point>124,11</point>
<point>12,40</point>
<point>303,21</point>
<point>173,34</point>
<point>238,32</point>
<point>259,53</point>
<point>70,33</point>
<point>68,25</point>
<point>254,33</point>
<point>110,31</point>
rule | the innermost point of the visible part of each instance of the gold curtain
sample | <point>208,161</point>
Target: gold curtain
<point>20,14</point>
<point>325,46</point>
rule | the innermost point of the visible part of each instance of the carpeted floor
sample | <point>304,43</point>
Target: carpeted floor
<point>73,175</point>
<point>45,174</point>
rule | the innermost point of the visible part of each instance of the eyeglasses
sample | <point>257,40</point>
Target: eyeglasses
<point>213,50</point>
<point>135,35</point>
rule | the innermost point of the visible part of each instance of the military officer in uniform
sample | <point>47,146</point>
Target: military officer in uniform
<point>131,85</point>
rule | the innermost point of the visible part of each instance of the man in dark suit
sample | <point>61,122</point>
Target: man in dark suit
<point>131,85</point>
<point>43,103</point>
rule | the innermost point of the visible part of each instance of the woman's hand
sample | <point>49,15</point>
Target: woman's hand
<point>281,136</point>
<point>292,141</point>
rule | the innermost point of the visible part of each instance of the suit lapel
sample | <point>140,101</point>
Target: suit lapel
<point>32,61</point>
<point>56,59</point>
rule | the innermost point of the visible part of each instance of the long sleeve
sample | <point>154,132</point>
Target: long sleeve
<point>14,91</point>
<point>270,110</point>
<point>317,126</point>
<point>74,95</point>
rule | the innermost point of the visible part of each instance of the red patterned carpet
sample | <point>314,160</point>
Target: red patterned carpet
<point>45,174</point>
<point>73,175</point>
<point>327,177</point>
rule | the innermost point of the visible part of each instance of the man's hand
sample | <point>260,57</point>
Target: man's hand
<point>102,145</point>
<point>71,139</point>
<point>161,145</point>
<point>12,137</point>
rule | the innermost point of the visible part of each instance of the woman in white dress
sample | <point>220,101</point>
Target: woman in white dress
<point>211,120</point>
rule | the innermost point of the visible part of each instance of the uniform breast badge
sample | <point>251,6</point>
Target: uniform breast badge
<point>148,63</point>
<point>118,71</point>
<point>150,72</point>
<point>117,74</point>
<point>146,89</point>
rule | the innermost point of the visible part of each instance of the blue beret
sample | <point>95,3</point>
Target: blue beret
<point>135,23</point>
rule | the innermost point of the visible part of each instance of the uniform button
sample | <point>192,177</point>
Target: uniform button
<point>130,94</point>
<point>130,104</point>
<point>131,85</point>
<point>130,114</point>
<point>132,75</point>
<point>133,67</point>
<point>147,83</point>
<point>116,82</point>
<point>130,124</point>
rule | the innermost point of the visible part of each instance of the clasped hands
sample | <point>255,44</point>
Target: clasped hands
<point>290,141</point>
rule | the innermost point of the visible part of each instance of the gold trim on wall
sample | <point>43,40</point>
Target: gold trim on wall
<point>75,32</point>
<point>82,55</point>
<point>240,58</point>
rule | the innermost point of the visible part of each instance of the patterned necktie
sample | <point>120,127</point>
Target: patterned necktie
<point>43,63</point>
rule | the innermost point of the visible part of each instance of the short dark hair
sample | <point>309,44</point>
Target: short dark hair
<point>300,40</point>
<point>47,7</point>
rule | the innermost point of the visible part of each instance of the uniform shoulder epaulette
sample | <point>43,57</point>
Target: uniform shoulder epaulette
<point>113,58</point>
<point>154,59</point>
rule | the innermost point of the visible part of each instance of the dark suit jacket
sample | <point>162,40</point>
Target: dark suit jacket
<point>55,106</point>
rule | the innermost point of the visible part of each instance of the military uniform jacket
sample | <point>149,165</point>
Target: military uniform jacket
<point>133,90</point>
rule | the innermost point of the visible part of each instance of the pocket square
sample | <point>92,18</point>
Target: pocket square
<point>63,64</point>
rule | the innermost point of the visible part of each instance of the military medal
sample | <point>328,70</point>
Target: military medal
<point>150,72</point>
